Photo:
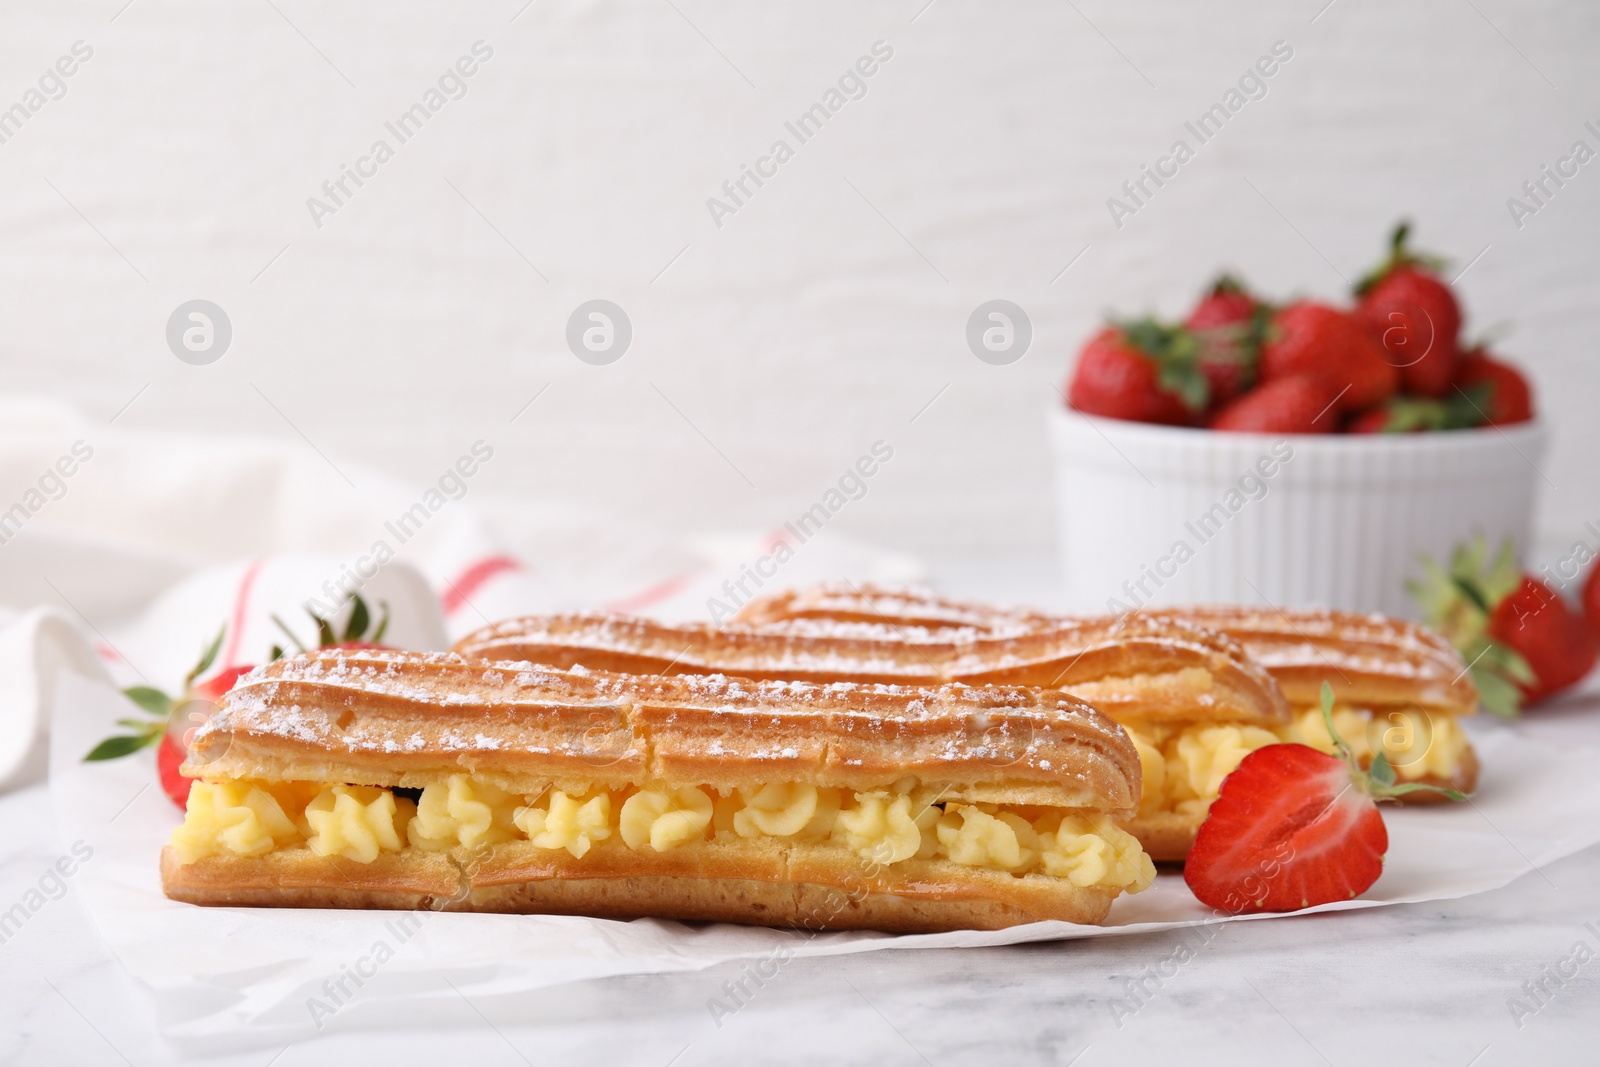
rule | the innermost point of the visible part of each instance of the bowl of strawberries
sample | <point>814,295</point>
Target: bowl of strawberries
<point>1298,453</point>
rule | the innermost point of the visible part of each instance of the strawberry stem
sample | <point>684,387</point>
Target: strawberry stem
<point>1338,742</point>
<point>1377,781</point>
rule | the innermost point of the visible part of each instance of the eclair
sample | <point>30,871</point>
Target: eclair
<point>1191,699</point>
<point>1399,688</point>
<point>378,779</point>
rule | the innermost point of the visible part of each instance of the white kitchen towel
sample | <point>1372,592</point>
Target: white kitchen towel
<point>134,546</point>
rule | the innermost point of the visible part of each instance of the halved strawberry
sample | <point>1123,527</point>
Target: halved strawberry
<point>1293,827</point>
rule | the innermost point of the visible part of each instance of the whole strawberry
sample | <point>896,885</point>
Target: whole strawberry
<point>1414,316</point>
<point>1522,642</point>
<point>175,720</point>
<point>1142,371</point>
<point>183,719</point>
<point>1507,397</point>
<point>1311,340</point>
<point>1292,828</point>
<point>1229,323</point>
<point>1407,414</point>
<point>1288,405</point>
<point>1555,640</point>
<point>1591,600</point>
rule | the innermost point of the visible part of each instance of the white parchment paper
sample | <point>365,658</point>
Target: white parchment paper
<point>232,978</point>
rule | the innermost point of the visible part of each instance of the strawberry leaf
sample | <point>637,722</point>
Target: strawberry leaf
<point>1459,605</point>
<point>357,626</point>
<point>1469,589</point>
<point>1399,256</point>
<point>117,747</point>
<point>383,623</point>
<point>149,699</point>
<point>325,635</point>
<point>1417,787</point>
<point>1497,692</point>
<point>1176,354</point>
<point>293,640</point>
<point>207,658</point>
<point>277,654</point>
<point>1381,771</point>
<point>1504,575</point>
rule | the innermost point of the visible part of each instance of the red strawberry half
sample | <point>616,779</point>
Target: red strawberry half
<point>1312,340</point>
<point>1293,827</point>
<point>1141,371</point>
<point>1414,317</point>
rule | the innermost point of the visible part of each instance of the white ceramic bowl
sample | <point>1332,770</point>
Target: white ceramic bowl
<point>1157,515</point>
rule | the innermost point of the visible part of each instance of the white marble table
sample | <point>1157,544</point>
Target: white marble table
<point>1428,983</point>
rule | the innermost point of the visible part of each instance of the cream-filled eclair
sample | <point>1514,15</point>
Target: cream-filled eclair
<point>1400,688</point>
<point>1197,689</point>
<point>403,780</point>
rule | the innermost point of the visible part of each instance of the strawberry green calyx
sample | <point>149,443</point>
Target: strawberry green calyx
<point>1377,780</point>
<point>151,701</point>
<point>1399,256</point>
<point>1175,351</point>
<point>168,712</point>
<point>355,628</point>
<point>1463,410</point>
<point>1459,602</point>
<point>1226,283</point>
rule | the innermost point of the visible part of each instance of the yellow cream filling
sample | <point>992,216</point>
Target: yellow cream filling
<point>572,823</point>
<point>357,822</point>
<point>883,826</point>
<point>1418,745</point>
<point>463,811</point>
<point>1184,766</point>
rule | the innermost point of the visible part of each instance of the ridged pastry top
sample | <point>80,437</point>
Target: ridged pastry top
<point>1135,667</point>
<point>847,602</point>
<point>410,719</point>
<point>1368,659</point>
<point>1371,659</point>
